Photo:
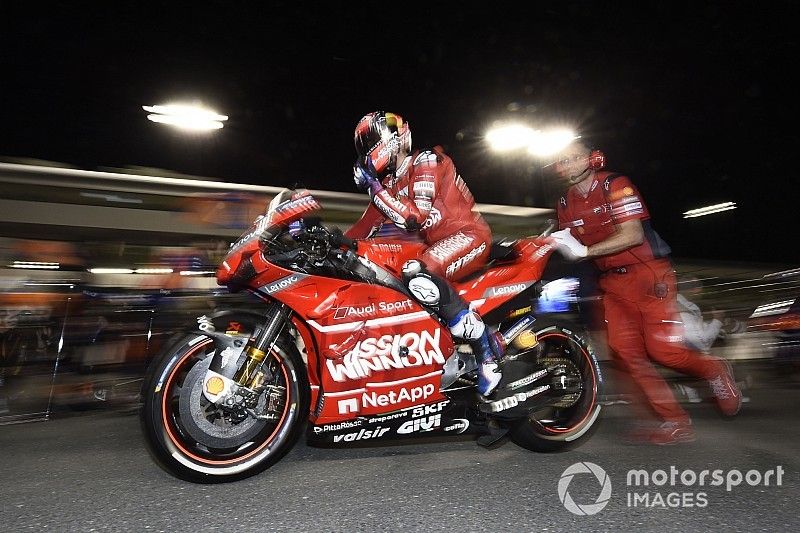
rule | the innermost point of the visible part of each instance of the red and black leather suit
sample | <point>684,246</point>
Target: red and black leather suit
<point>427,195</point>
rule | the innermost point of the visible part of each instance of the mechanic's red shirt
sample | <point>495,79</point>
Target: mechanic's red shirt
<point>428,188</point>
<point>612,199</point>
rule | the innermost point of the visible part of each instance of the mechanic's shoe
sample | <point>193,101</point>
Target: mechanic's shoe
<point>665,434</point>
<point>726,391</point>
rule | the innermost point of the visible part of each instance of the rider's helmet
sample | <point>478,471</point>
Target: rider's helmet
<point>381,136</point>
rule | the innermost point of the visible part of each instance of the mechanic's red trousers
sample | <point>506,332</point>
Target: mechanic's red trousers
<point>644,325</point>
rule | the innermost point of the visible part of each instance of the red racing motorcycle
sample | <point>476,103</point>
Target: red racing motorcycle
<point>337,345</point>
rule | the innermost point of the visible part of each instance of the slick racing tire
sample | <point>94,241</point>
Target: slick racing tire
<point>192,438</point>
<point>569,418</point>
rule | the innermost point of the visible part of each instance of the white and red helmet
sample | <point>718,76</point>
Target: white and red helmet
<point>381,136</point>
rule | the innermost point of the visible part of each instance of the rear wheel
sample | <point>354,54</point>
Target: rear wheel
<point>199,441</point>
<point>575,383</point>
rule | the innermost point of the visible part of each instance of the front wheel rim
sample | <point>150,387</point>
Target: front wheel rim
<point>189,452</point>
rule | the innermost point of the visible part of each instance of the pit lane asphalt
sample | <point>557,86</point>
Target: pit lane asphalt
<point>91,472</point>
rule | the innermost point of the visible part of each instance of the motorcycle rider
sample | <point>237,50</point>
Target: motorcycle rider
<point>603,217</point>
<point>422,193</point>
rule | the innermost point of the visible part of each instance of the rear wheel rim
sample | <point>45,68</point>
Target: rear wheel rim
<point>560,421</point>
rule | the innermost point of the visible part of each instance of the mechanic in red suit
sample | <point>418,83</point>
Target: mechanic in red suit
<point>602,216</point>
<point>422,193</point>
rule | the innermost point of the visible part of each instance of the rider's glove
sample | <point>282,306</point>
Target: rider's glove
<point>366,177</point>
<point>568,245</point>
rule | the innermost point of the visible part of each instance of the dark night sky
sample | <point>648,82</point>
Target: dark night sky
<point>690,99</point>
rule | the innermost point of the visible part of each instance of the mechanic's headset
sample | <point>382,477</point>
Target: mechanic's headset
<point>596,160</point>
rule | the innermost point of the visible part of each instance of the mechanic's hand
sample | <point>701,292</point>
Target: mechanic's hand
<point>364,175</point>
<point>568,245</point>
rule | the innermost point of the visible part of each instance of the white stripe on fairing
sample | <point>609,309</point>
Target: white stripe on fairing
<point>406,380</point>
<point>384,384</point>
<point>353,391</point>
<point>349,326</point>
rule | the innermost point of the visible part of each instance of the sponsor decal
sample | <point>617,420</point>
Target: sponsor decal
<point>506,290</point>
<point>347,424</point>
<point>364,434</point>
<point>423,204</point>
<point>465,259</point>
<point>425,410</point>
<point>303,203</point>
<point>527,339</point>
<point>517,312</point>
<point>388,247</point>
<point>563,201</point>
<point>578,222</point>
<point>386,398</point>
<point>450,245</point>
<point>394,203</point>
<point>372,309</point>
<point>413,394</point>
<point>282,284</point>
<point>527,380</point>
<point>632,206</point>
<point>458,426</point>
<point>383,353</point>
<point>434,217</point>
<point>385,418</point>
<point>594,186</point>
<point>226,356</point>
<point>350,405</point>
<point>424,186</point>
<point>386,210</point>
<point>420,425</point>
<point>518,327</point>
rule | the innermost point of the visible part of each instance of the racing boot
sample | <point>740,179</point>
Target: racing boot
<point>468,325</point>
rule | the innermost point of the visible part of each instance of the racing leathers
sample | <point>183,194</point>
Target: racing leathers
<point>427,196</point>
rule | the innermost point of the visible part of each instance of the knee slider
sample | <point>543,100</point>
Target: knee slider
<point>420,283</point>
<point>467,325</point>
<point>424,290</point>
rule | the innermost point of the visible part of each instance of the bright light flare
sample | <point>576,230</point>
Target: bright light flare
<point>511,137</point>
<point>710,209</point>
<point>187,117</point>
<point>548,143</point>
<point>538,143</point>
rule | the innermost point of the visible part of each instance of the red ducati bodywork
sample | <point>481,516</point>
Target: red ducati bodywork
<point>370,349</point>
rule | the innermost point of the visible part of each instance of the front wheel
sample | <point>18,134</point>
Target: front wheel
<point>575,389</point>
<point>197,440</point>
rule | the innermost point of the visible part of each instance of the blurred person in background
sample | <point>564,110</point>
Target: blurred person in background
<point>603,217</point>
<point>698,333</point>
<point>423,193</point>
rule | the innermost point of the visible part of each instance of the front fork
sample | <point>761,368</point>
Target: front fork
<point>237,363</point>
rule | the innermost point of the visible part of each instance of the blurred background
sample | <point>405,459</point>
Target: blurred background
<point>136,145</point>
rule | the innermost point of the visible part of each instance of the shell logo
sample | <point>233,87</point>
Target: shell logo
<point>526,339</point>
<point>215,385</point>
